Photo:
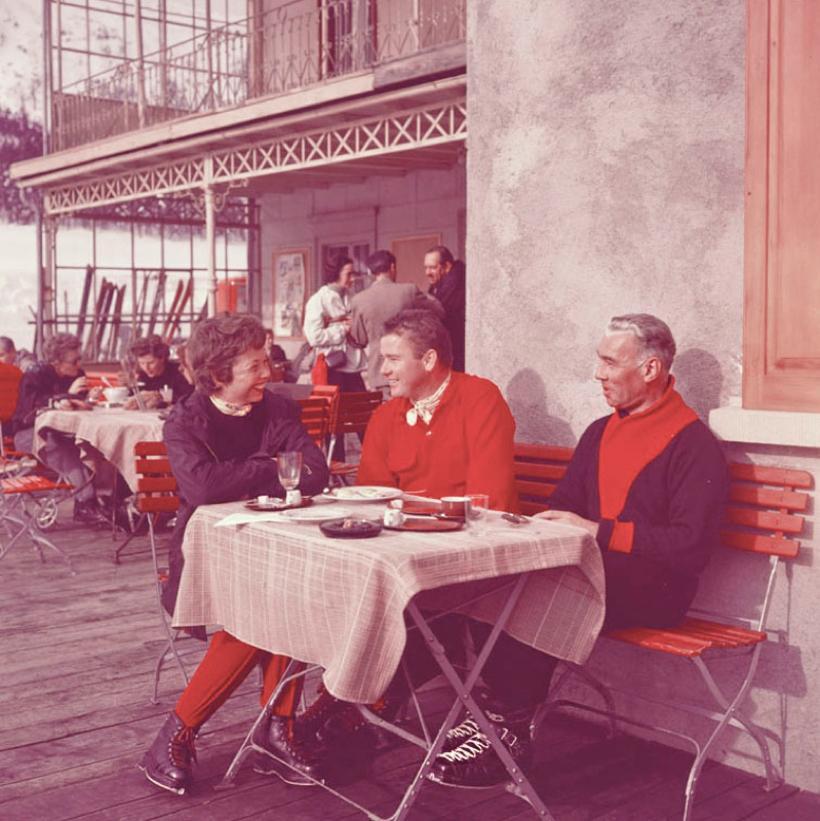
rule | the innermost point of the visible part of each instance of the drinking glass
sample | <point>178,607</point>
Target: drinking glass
<point>289,467</point>
<point>476,506</point>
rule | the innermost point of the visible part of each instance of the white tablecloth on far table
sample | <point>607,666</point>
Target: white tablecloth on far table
<point>289,589</point>
<point>112,431</point>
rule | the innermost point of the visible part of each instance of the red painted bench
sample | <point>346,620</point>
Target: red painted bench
<point>763,515</point>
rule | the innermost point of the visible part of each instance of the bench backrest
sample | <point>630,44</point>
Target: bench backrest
<point>156,485</point>
<point>762,514</point>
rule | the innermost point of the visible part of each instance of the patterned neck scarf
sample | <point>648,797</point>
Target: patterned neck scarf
<point>425,408</point>
<point>228,408</point>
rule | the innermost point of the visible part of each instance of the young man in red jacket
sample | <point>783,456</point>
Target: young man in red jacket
<point>443,433</point>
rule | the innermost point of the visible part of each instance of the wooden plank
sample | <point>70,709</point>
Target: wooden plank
<point>785,477</point>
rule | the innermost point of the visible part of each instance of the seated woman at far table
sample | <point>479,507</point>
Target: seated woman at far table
<point>58,381</point>
<point>159,380</point>
<point>222,443</point>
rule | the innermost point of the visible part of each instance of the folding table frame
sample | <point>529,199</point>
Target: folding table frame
<point>519,784</point>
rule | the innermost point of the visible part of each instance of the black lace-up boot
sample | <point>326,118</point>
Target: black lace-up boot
<point>169,759</point>
<point>296,761</point>
<point>473,762</point>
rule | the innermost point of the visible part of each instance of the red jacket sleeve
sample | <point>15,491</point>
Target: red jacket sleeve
<point>490,430</point>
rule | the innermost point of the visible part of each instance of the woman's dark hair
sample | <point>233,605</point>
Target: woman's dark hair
<point>215,345</point>
<point>333,267</point>
<point>56,347</point>
<point>423,330</point>
<point>150,346</point>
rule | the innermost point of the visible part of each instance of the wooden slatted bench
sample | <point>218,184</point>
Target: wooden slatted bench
<point>764,513</point>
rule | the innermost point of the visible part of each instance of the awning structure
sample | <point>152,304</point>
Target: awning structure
<point>390,133</point>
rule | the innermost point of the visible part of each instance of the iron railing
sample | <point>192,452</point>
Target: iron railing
<point>283,50</point>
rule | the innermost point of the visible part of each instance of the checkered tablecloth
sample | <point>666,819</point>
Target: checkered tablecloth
<point>112,431</point>
<point>339,603</point>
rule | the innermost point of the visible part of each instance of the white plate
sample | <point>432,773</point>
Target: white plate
<point>365,493</point>
<point>312,515</point>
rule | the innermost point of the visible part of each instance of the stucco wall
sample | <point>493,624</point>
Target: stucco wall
<point>605,168</point>
<point>605,175</point>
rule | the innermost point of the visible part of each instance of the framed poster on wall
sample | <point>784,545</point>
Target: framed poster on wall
<point>290,271</point>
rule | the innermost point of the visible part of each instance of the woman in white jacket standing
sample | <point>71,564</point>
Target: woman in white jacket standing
<point>327,322</point>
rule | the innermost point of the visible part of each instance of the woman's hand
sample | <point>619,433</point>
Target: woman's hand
<point>79,385</point>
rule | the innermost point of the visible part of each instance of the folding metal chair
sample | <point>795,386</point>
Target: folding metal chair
<point>350,414</point>
<point>29,498</point>
<point>157,495</point>
<point>315,413</point>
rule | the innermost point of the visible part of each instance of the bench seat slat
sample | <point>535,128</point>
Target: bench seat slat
<point>692,638</point>
<point>538,489</point>
<point>766,497</point>
<point>756,543</point>
<point>785,477</point>
<point>546,453</point>
<point>764,519</point>
<point>534,470</point>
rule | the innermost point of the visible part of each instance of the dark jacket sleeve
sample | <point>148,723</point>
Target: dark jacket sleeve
<point>572,492</point>
<point>37,387</point>
<point>696,486</point>
<point>179,384</point>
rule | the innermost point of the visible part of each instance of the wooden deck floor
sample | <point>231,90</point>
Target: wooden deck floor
<point>77,654</point>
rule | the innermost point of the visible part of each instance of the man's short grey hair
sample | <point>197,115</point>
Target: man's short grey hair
<point>653,334</point>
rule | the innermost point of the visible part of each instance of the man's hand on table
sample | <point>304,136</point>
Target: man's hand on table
<point>568,518</point>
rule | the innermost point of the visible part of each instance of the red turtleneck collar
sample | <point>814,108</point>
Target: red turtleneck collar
<point>630,442</point>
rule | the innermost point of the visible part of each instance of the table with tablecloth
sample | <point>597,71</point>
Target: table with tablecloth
<point>339,603</point>
<point>111,431</point>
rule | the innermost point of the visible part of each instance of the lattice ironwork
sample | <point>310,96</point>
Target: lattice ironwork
<point>377,136</point>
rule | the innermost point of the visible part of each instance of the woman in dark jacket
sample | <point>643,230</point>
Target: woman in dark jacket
<point>222,443</point>
<point>155,372</point>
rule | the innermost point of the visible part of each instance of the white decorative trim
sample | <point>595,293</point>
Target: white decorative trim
<point>766,427</point>
<point>377,136</point>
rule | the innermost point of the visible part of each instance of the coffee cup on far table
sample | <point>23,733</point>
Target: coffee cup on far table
<point>263,499</point>
<point>115,395</point>
<point>455,506</point>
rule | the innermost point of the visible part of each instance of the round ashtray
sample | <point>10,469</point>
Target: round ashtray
<point>350,527</point>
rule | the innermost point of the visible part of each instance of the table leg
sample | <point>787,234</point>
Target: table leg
<point>521,784</point>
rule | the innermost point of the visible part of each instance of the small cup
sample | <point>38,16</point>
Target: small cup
<point>293,497</point>
<point>167,394</point>
<point>455,506</point>
<point>263,500</point>
<point>478,504</point>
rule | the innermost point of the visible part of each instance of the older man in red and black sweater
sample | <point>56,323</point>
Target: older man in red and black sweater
<point>648,482</point>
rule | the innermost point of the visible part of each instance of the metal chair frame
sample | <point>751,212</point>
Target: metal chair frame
<point>157,494</point>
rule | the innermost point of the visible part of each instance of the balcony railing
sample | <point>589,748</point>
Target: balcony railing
<point>286,49</point>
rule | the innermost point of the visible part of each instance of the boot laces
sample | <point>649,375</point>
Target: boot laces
<point>181,747</point>
<point>468,750</point>
<point>466,729</point>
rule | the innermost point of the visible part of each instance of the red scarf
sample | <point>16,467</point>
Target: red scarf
<point>629,443</point>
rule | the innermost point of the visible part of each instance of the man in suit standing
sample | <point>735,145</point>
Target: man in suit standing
<point>447,285</point>
<point>372,308</point>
